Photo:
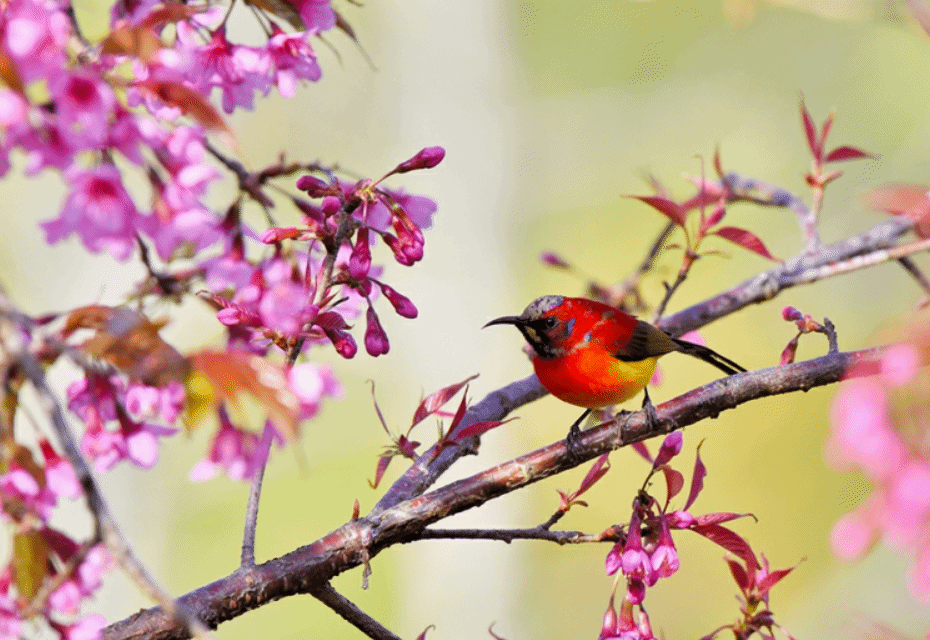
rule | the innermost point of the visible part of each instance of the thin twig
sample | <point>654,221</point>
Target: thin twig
<point>255,492</point>
<point>351,613</point>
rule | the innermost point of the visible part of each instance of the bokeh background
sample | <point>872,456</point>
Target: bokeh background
<point>550,112</point>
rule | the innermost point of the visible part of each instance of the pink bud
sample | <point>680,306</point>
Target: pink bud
<point>554,260</point>
<point>343,342</point>
<point>229,316</point>
<point>425,159</point>
<point>791,314</point>
<point>360,259</point>
<point>402,304</point>
<point>376,340</point>
<point>313,186</point>
<point>330,205</point>
<point>277,234</point>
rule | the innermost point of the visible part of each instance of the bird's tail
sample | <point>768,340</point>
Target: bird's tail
<point>709,356</point>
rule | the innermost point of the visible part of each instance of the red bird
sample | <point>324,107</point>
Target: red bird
<point>592,355</point>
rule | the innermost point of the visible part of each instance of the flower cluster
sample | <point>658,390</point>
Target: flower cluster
<point>879,426</point>
<point>646,552</point>
<point>89,112</point>
<point>29,492</point>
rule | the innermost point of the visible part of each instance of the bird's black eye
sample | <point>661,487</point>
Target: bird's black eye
<point>550,322</point>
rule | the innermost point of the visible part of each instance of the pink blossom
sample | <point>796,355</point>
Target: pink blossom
<point>236,452</point>
<point>293,59</point>
<point>88,627</point>
<point>85,102</point>
<point>99,211</point>
<point>60,477</point>
<point>853,535</point>
<point>312,382</point>
<point>67,598</point>
<point>48,145</point>
<point>862,433</point>
<point>19,486</point>
<point>900,364</point>
<point>155,403</point>
<point>907,504</point>
<point>35,34</point>
<point>664,558</point>
<point>317,15</point>
<point>285,307</point>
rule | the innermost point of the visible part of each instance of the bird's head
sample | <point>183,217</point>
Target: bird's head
<point>546,324</point>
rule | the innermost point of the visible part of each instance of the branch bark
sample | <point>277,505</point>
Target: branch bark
<point>308,568</point>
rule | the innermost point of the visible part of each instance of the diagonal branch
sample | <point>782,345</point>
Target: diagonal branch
<point>307,568</point>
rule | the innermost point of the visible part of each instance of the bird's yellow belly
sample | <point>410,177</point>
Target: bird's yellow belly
<point>592,380</point>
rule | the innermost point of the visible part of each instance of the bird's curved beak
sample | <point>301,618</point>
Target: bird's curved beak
<point>515,320</point>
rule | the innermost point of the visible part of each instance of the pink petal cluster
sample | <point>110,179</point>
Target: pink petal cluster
<point>869,433</point>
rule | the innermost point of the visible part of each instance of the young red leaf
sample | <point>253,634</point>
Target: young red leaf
<point>714,218</point>
<point>720,516</point>
<point>718,165</point>
<point>641,449</point>
<point>422,636</point>
<point>460,412</point>
<point>433,402</point>
<point>674,211</point>
<point>479,428</point>
<point>810,131</point>
<point>729,540</point>
<point>847,153</point>
<point>825,129</point>
<point>745,239</point>
<point>383,463</point>
<point>765,585</point>
<point>739,575</point>
<point>675,482</point>
<point>697,479</point>
<point>597,471</point>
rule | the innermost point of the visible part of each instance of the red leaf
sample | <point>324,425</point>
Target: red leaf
<point>597,471</point>
<point>383,463</point>
<point>640,448</point>
<point>825,129</point>
<point>231,374</point>
<point>846,153</point>
<point>729,540</point>
<point>434,401</point>
<point>745,239</point>
<point>675,482</point>
<point>739,574</point>
<point>460,412</point>
<point>810,131</point>
<point>479,428</point>
<point>720,516</point>
<point>697,478</point>
<point>714,218</point>
<point>674,211</point>
<point>769,581</point>
<point>189,101</point>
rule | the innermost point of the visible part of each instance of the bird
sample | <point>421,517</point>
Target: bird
<point>592,355</point>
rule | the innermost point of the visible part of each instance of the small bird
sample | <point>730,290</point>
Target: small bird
<point>592,355</point>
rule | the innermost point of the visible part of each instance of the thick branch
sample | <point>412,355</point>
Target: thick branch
<point>306,569</point>
<point>802,269</point>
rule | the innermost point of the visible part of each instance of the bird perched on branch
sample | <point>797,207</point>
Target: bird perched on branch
<point>592,355</point>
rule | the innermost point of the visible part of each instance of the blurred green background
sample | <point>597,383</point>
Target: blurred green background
<point>549,112</point>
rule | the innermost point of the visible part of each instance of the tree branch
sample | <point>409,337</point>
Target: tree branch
<point>307,568</point>
<point>351,613</point>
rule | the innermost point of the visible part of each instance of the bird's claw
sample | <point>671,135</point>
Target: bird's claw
<point>573,443</point>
